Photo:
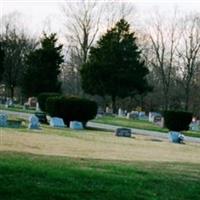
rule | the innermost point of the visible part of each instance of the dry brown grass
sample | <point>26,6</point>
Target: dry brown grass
<point>96,145</point>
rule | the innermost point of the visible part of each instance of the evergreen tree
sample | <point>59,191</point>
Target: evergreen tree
<point>114,66</point>
<point>43,68</point>
<point>1,62</point>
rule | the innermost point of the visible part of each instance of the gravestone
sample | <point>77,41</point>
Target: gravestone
<point>132,115</point>
<point>152,115</point>
<point>194,126</point>
<point>57,122</point>
<point>142,116</point>
<point>120,112</point>
<point>123,132</point>
<point>37,108</point>
<point>76,125</point>
<point>33,122</point>
<point>157,119</point>
<point>3,120</point>
<point>176,137</point>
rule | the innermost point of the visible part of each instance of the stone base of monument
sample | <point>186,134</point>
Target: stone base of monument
<point>14,123</point>
<point>76,125</point>
<point>123,132</point>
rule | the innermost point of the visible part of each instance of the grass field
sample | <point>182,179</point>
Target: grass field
<point>139,124</point>
<point>17,108</point>
<point>96,145</point>
<point>33,177</point>
<point>56,164</point>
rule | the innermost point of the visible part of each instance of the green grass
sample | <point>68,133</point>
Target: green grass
<point>138,124</point>
<point>32,177</point>
<point>17,108</point>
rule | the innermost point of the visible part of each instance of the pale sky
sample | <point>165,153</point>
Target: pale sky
<point>36,13</point>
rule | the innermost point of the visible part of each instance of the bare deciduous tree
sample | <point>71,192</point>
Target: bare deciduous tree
<point>189,52</point>
<point>164,37</point>
<point>16,45</point>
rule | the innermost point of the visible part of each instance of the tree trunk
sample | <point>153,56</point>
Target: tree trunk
<point>12,92</point>
<point>187,94</point>
<point>114,103</point>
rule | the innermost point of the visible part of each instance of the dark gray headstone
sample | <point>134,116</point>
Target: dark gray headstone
<point>123,132</point>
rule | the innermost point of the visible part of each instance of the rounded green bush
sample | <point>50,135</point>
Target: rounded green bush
<point>177,120</point>
<point>71,109</point>
<point>42,99</point>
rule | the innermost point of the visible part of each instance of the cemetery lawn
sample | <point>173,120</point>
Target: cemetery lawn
<point>138,124</point>
<point>65,164</point>
<point>17,108</point>
<point>36,177</point>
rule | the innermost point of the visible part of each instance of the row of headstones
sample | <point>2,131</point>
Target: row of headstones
<point>153,116</point>
<point>132,114</point>
<point>54,122</point>
<point>175,137</point>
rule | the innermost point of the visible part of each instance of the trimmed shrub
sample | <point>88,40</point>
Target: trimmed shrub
<point>71,109</point>
<point>177,120</point>
<point>43,97</point>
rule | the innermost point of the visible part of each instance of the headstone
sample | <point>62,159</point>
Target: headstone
<point>33,122</point>
<point>109,111</point>
<point>123,132</point>
<point>3,120</point>
<point>37,108</point>
<point>157,119</point>
<point>152,115</point>
<point>100,111</point>
<point>142,116</point>
<point>176,137</point>
<point>57,122</point>
<point>132,115</point>
<point>194,126</point>
<point>32,101</point>
<point>120,112</point>
<point>76,125</point>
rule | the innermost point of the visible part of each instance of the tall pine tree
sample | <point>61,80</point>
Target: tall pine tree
<point>1,62</point>
<point>114,66</point>
<point>43,68</point>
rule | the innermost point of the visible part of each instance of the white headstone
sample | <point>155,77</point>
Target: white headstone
<point>57,122</point>
<point>120,112</point>
<point>33,122</point>
<point>152,115</point>
<point>3,120</point>
<point>76,125</point>
<point>194,126</point>
<point>37,108</point>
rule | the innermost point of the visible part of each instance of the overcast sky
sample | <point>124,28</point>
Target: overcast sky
<point>36,13</point>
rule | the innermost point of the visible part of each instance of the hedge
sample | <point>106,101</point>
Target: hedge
<point>42,99</point>
<point>177,120</point>
<point>71,109</point>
